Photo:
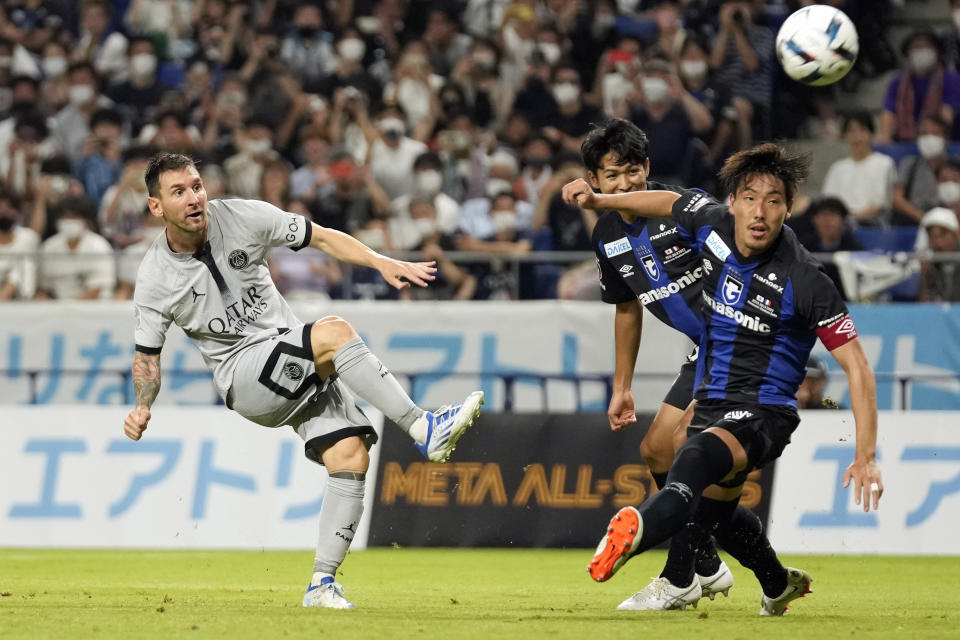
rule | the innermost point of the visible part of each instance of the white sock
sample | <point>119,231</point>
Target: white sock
<point>418,430</point>
<point>318,577</point>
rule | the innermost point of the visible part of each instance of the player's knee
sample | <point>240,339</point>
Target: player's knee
<point>329,334</point>
<point>349,454</point>
<point>657,452</point>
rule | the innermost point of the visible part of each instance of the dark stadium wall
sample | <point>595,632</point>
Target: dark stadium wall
<point>520,480</point>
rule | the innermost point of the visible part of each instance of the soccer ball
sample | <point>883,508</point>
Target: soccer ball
<point>817,45</point>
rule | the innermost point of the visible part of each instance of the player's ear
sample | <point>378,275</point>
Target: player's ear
<point>646,166</point>
<point>789,209</point>
<point>592,179</point>
<point>154,205</point>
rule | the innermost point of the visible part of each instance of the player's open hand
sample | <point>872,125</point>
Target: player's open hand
<point>401,274</point>
<point>136,423</point>
<point>867,483</point>
<point>621,413</point>
<point>579,193</point>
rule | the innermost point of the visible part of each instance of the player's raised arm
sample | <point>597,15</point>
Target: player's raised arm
<point>648,204</point>
<point>867,479</point>
<point>346,248</point>
<point>146,386</point>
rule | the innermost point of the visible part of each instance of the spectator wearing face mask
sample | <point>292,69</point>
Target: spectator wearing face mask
<point>21,159</point>
<point>502,235</point>
<point>940,281</point>
<point>307,49</point>
<point>149,229</point>
<point>427,185</point>
<point>693,69</point>
<point>413,89</point>
<point>475,88</point>
<point>537,170</point>
<point>392,153</point>
<point>245,168</point>
<point>102,160</point>
<point>617,71</point>
<point>141,91</point>
<point>673,118</point>
<point>948,190</point>
<point>312,178</point>
<point>54,62</point>
<point>18,246</point>
<point>574,116</point>
<point>924,88</point>
<point>453,282</point>
<point>76,263</point>
<point>915,191</point>
<point>71,125</point>
<point>351,71</point>
<point>864,180</point>
<point>829,231</point>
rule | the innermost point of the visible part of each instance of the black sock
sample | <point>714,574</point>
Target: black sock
<point>708,560</point>
<point>684,548</point>
<point>701,461</point>
<point>742,537</point>
<point>659,478</point>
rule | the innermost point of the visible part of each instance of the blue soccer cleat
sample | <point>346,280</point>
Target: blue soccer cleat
<point>326,595</point>
<point>447,424</point>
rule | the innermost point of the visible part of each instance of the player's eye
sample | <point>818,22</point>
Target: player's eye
<point>197,187</point>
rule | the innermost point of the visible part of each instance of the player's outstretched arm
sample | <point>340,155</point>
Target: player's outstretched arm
<point>866,476</point>
<point>146,386</point>
<point>627,327</point>
<point>648,204</point>
<point>346,248</point>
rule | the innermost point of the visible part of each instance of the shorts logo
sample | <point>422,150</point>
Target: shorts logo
<point>293,371</point>
<point>737,415</point>
<point>732,289</point>
<point>238,259</point>
<point>707,266</point>
<point>717,246</point>
<point>616,247</point>
<point>651,266</point>
<point>626,270</point>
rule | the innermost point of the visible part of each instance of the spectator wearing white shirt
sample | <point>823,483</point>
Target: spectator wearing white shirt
<point>392,154</point>
<point>864,181</point>
<point>427,183</point>
<point>76,263</point>
<point>106,50</point>
<point>18,246</point>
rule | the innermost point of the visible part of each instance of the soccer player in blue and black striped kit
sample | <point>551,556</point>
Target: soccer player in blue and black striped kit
<point>765,303</point>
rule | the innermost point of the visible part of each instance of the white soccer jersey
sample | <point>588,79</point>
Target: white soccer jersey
<point>222,295</point>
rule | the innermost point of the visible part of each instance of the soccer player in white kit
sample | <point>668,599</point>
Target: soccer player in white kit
<point>208,275</point>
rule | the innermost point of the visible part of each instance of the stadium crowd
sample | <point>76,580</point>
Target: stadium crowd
<point>440,128</point>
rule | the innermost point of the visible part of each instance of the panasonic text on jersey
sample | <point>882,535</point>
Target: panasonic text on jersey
<point>659,293</point>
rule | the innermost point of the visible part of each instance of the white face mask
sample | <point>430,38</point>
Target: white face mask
<point>80,94</point>
<point>425,226</point>
<point>143,64</point>
<point>352,49</point>
<point>496,186</point>
<point>694,69</point>
<point>922,60</point>
<point>54,66</point>
<point>655,90</point>
<point>428,182</point>
<point>257,146</point>
<point>566,92</point>
<point>394,125</point>
<point>949,192</point>
<point>550,52</point>
<point>71,228</point>
<point>376,239</point>
<point>504,220</point>
<point>931,145</point>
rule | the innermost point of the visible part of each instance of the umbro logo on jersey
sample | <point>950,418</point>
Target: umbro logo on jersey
<point>238,259</point>
<point>195,294</point>
<point>651,266</point>
<point>846,326</point>
<point>732,290</point>
<point>617,247</point>
<point>717,246</point>
<point>626,270</point>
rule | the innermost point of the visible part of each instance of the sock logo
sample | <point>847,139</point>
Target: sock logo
<point>351,529</point>
<point>685,492</point>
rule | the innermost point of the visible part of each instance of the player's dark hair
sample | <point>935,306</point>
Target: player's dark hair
<point>620,136</point>
<point>765,159</point>
<point>862,118</point>
<point>160,164</point>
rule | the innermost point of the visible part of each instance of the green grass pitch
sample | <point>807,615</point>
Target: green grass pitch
<point>448,593</point>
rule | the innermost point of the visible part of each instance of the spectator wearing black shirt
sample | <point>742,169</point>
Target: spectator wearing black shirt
<point>139,94</point>
<point>828,232</point>
<point>574,117</point>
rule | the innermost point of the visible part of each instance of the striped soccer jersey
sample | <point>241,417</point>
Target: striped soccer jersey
<point>762,315</point>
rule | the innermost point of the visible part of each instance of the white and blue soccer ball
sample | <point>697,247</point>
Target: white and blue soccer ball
<point>817,45</point>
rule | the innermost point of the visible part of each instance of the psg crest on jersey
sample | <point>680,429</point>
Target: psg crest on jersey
<point>238,259</point>
<point>651,266</point>
<point>293,370</point>
<point>732,290</point>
